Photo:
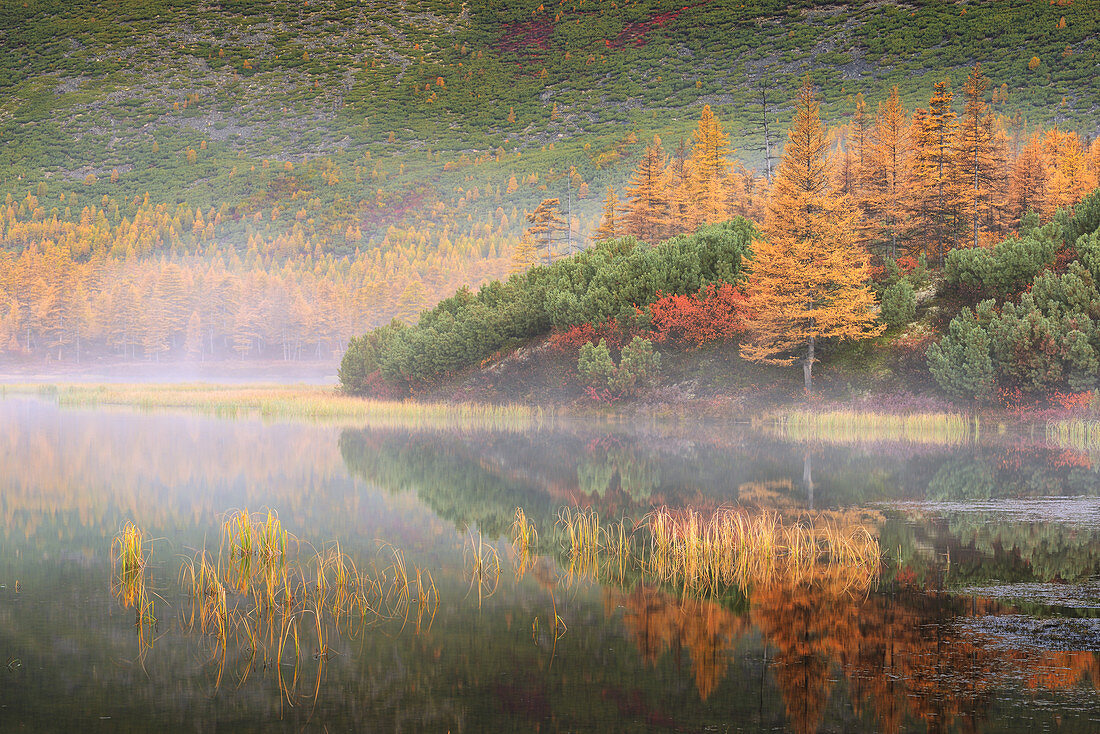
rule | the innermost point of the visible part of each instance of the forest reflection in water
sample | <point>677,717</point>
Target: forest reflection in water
<point>524,635</point>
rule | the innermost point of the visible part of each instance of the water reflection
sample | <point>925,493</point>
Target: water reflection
<point>977,616</point>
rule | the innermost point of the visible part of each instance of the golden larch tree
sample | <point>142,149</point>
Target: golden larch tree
<point>682,212</point>
<point>647,213</point>
<point>610,224</point>
<point>981,158</point>
<point>1028,180</point>
<point>546,224</point>
<point>524,256</point>
<point>1070,179</point>
<point>936,204</point>
<point>809,274</point>
<point>889,173</point>
<point>709,159</point>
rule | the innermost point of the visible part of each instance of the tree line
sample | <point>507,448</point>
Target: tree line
<point>151,287</point>
<point>925,181</point>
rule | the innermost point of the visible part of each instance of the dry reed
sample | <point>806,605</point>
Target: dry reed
<point>851,426</point>
<point>1075,434</point>
<point>292,402</point>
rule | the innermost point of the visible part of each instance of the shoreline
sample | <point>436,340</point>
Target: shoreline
<point>829,421</point>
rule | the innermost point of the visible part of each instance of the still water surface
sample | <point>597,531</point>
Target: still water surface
<point>983,616</point>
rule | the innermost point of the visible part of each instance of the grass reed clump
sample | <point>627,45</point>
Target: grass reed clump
<point>482,562</point>
<point>129,557</point>
<point>705,554</point>
<point>1076,433</point>
<point>595,550</point>
<point>293,402</point>
<point>262,596</point>
<point>128,552</point>
<point>851,426</point>
<point>731,548</point>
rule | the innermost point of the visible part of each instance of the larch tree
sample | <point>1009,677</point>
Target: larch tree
<point>709,160</point>
<point>682,211</point>
<point>1028,180</point>
<point>980,160</point>
<point>935,133</point>
<point>546,225</point>
<point>610,224</point>
<point>809,277</point>
<point>1070,179</point>
<point>858,143</point>
<point>889,168</point>
<point>647,215</point>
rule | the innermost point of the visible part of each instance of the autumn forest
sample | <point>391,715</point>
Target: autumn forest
<point>195,242</point>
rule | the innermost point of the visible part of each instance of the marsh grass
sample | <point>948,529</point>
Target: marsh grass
<point>850,426</point>
<point>1075,434</point>
<point>482,563</point>
<point>292,402</point>
<point>270,598</point>
<point>706,554</point>
<point>130,551</point>
<point>596,550</point>
<point>525,539</point>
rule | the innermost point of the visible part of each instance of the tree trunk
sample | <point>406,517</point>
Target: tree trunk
<point>808,365</point>
<point>767,137</point>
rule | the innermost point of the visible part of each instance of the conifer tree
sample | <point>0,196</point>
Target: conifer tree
<point>1069,177</point>
<point>980,162</point>
<point>889,169</point>
<point>858,143</point>
<point>1027,180</point>
<point>647,217</point>
<point>610,224</point>
<point>809,278</point>
<point>709,159</point>
<point>546,223</point>
<point>683,214</point>
<point>524,256</point>
<point>936,205</point>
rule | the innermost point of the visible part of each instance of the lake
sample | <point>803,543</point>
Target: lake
<point>380,581</point>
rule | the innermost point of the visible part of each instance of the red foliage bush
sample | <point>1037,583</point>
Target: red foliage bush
<point>575,337</point>
<point>906,263</point>
<point>1072,401</point>
<point>712,314</point>
<point>1056,403</point>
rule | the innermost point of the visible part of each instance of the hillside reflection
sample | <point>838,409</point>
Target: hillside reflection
<point>944,633</point>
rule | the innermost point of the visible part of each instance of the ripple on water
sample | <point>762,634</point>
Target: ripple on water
<point>1068,596</point>
<point>1021,632</point>
<point>1073,510</point>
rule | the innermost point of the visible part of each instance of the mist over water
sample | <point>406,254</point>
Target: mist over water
<point>149,373</point>
<point>975,619</point>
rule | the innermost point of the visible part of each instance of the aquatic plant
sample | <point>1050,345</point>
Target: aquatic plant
<point>848,426</point>
<point>128,552</point>
<point>293,402</point>
<point>705,554</point>
<point>482,563</point>
<point>731,548</point>
<point>261,595</point>
<point>1077,433</point>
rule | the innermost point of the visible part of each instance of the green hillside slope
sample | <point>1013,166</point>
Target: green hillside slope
<point>370,114</point>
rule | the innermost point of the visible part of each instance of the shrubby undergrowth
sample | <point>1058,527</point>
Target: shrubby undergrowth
<point>1045,342</point>
<point>611,281</point>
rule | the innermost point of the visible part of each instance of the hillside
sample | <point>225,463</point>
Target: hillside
<point>368,158</point>
<point>337,89</point>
